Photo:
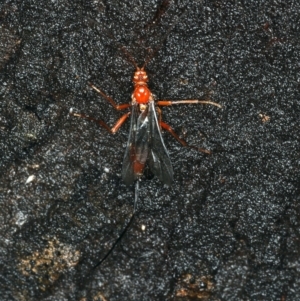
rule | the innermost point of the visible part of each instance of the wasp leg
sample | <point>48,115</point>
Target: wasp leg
<point>168,128</point>
<point>110,100</point>
<point>112,130</point>
<point>187,101</point>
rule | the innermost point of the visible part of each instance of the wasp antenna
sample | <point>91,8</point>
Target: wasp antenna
<point>171,27</point>
<point>110,35</point>
<point>129,56</point>
<point>161,10</point>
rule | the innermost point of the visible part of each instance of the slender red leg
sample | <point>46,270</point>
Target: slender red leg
<point>183,142</point>
<point>112,130</point>
<point>187,101</point>
<point>110,100</point>
<point>177,102</point>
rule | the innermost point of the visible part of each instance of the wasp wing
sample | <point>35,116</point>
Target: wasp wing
<point>159,160</point>
<point>137,146</point>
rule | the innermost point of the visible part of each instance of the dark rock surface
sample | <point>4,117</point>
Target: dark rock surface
<point>228,227</point>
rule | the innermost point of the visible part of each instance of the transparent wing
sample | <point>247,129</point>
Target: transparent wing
<point>159,160</point>
<point>137,146</point>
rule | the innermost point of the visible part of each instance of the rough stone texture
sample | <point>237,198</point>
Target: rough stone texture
<point>227,229</point>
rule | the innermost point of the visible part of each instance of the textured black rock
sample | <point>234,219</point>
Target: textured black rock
<point>228,227</point>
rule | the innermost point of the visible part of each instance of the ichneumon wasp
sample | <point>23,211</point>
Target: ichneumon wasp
<point>145,142</point>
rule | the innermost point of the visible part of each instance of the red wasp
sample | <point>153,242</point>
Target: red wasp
<point>145,141</point>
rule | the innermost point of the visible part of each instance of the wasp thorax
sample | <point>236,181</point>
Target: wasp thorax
<point>141,94</point>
